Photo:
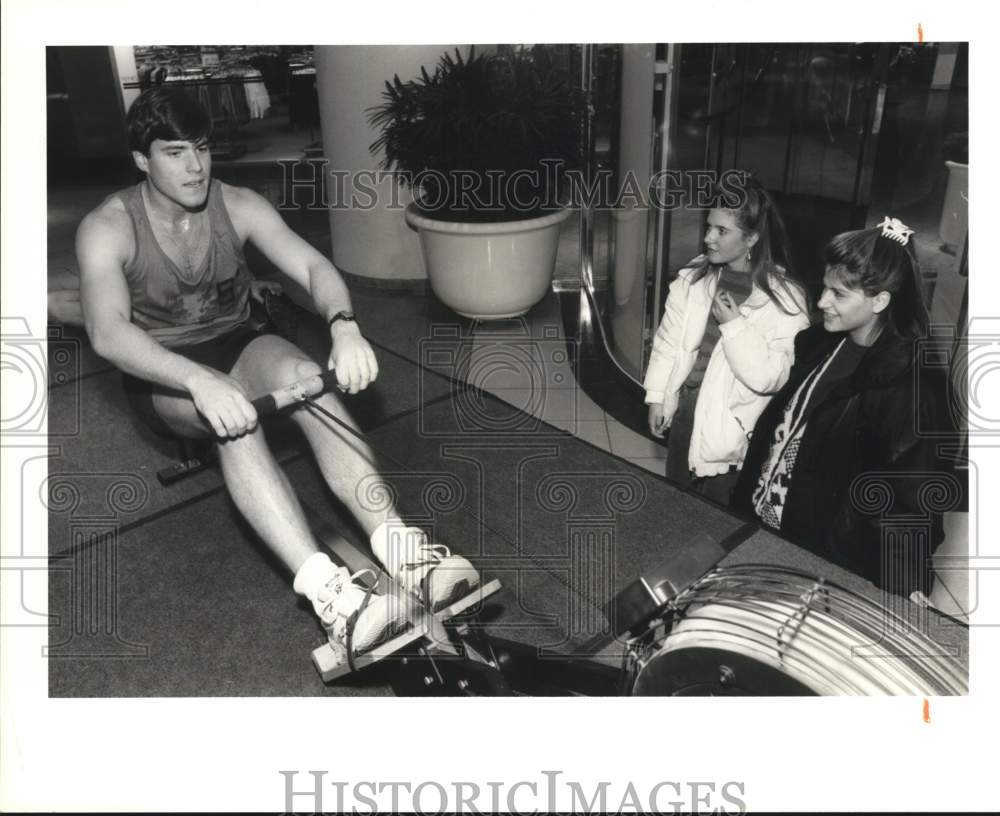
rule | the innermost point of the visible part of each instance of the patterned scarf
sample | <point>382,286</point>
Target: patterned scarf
<point>739,285</point>
<point>772,486</point>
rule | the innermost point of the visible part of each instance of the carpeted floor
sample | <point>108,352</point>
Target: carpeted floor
<point>215,615</point>
<point>165,592</point>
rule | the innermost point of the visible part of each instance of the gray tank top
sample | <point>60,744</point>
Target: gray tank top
<point>177,309</point>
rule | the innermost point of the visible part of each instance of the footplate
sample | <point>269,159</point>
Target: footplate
<point>331,660</point>
<point>468,604</point>
<point>428,632</point>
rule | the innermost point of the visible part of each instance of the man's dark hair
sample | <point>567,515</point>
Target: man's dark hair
<point>170,114</point>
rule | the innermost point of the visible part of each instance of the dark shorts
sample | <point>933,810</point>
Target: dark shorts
<point>220,353</point>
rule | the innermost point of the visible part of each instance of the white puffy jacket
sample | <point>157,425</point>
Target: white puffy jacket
<point>749,364</point>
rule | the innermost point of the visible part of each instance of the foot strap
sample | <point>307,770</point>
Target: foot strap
<point>351,621</point>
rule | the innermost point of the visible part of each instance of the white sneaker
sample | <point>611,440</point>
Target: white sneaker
<point>429,571</point>
<point>353,616</point>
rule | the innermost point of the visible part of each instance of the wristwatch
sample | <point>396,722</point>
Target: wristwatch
<point>345,315</point>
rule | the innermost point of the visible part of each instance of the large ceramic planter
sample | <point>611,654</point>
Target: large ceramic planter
<point>490,270</point>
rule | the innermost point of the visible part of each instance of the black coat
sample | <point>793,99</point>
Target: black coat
<point>867,478</point>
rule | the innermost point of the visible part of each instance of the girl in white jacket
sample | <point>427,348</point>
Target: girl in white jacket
<point>725,343</point>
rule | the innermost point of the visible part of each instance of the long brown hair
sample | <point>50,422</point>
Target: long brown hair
<point>770,258</point>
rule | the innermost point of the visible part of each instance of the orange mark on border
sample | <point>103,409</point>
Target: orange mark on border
<point>920,33</point>
<point>927,710</point>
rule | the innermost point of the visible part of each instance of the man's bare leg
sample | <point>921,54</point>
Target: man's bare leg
<point>262,493</point>
<point>256,483</point>
<point>64,307</point>
<point>64,295</point>
<point>344,460</point>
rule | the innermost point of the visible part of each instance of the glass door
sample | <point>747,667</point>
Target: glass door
<point>843,134</point>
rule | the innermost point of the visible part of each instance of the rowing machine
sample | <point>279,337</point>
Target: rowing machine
<point>446,635</point>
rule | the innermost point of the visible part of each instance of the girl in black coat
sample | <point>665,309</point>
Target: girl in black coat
<point>837,463</point>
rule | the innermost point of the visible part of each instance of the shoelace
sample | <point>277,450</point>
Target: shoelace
<point>433,554</point>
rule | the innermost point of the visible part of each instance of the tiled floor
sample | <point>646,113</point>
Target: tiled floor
<point>524,363</point>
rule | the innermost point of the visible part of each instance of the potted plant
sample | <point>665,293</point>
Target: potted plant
<point>484,143</point>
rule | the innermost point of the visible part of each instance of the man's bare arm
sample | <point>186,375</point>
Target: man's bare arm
<point>101,253</point>
<point>351,355</point>
<point>261,224</point>
<point>107,310</point>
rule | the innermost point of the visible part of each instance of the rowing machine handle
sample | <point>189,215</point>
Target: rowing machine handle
<point>295,393</point>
